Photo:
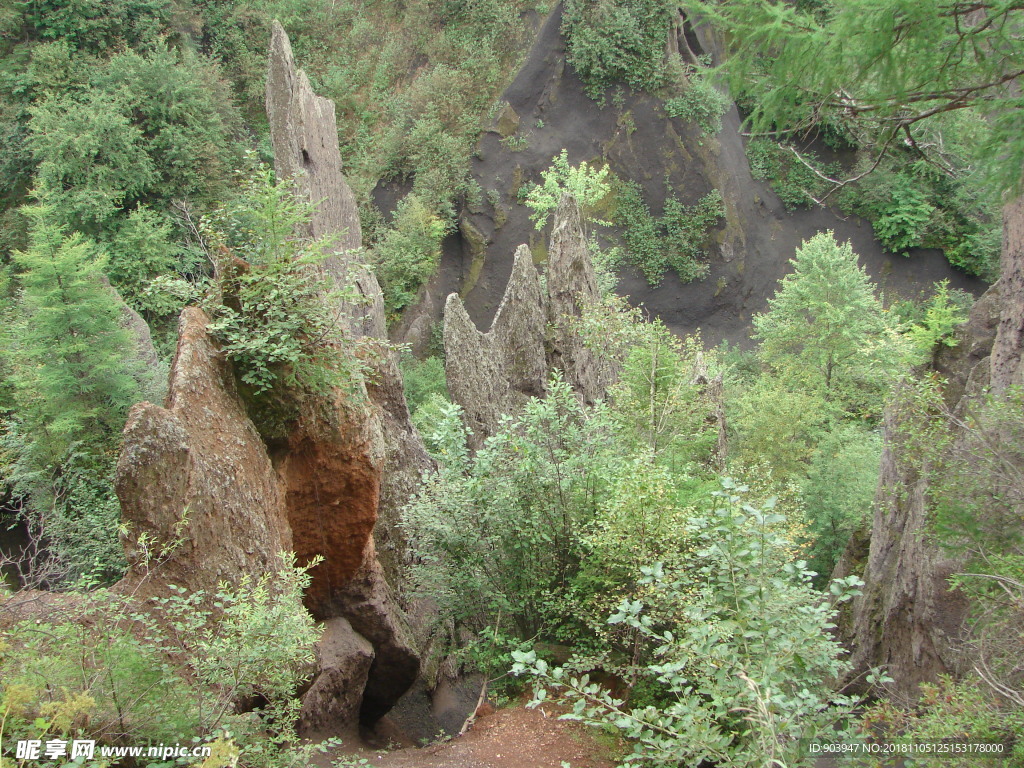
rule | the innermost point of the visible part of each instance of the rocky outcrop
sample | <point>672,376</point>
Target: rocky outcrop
<point>196,472</point>
<point>1007,351</point>
<point>493,374</point>
<point>571,287</point>
<point>304,133</point>
<point>907,619</point>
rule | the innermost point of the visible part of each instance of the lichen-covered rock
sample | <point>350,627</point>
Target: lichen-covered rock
<point>493,374</point>
<point>304,133</point>
<point>196,472</point>
<point>572,286</point>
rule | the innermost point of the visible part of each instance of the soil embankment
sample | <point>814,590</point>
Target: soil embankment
<point>548,110</point>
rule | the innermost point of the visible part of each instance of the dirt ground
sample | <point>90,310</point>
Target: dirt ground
<point>513,737</point>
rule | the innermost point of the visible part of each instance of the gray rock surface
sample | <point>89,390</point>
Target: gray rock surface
<point>304,133</point>
<point>907,619</point>
<point>493,374</point>
<point>571,287</point>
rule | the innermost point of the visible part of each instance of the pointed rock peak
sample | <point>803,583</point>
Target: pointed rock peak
<point>304,134</point>
<point>571,279</point>
<point>523,292</point>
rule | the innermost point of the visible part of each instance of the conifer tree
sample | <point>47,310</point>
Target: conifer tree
<point>825,325</point>
<point>72,378</point>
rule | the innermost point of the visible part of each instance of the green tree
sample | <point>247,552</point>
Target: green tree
<point>72,383</point>
<point>67,349</point>
<point>825,326</point>
<point>877,70</point>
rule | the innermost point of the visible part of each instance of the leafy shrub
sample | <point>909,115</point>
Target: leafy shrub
<point>677,239</point>
<point>275,320</point>
<point>958,710</point>
<point>409,252</point>
<point>169,671</point>
<point>497,534</point>
<point>422,378</point>
<point>913,204</point>
<point>621,40</point>
<point>795,184</point>
<point>838,492</point>
<point>739,646</point>
<point>700,103</point>
<point>826,328</point>
<point>940,316</point>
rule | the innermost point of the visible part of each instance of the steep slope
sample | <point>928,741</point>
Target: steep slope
<point>548,110</point>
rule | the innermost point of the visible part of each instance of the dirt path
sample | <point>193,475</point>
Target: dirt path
<point>514,737</point>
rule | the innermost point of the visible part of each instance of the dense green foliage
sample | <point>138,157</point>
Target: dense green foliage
<point>740,648</point>
<point>588,186</point>
<point>71,387</point>
<point>122,125</point>
<point>826,328</point>
<point>168,671</point>
<point>612,41</point>
<point>675,240</point>
<point>913,86</point>
<point>700,102</point>
<point>278,316</point>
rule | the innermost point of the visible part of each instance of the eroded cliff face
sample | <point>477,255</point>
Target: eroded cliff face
<point>197,471</point>
<point>907,619</point>
<point>493,374</point>
<point>304,134</point>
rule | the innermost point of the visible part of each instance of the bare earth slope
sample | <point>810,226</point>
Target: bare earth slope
<point>548,110</point>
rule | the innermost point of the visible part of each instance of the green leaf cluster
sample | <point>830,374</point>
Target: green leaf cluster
<point>740,650</point>
<point>675,240</point>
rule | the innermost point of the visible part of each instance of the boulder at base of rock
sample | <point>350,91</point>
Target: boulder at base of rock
<point>331,705</point>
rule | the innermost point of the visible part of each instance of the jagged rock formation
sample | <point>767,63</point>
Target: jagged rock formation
<point>571,287</point>
<point>493,374</point>
<point>304,133</point>
<point>329,489</point>
<point>201,460</point>
<point>907,619</point>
